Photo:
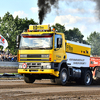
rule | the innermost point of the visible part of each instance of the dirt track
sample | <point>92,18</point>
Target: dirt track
<point>8,70</point>
<point>45,90</point>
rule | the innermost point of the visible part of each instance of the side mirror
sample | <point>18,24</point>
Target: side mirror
<point>59,42</point>
<point>17,41</point>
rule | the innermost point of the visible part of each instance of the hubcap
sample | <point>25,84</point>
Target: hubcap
<point>87,78</point>
<point>64,76</point>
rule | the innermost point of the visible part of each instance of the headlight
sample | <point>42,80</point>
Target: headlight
<point>23,56</point>
<point>45,56</point>
<point>48,66</point>
<point>20,66</point>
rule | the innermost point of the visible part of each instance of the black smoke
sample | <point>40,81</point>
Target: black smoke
<point>45,7</point>
<point>97,7</point>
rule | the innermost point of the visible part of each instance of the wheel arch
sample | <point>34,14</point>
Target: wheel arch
<point>63,64</point>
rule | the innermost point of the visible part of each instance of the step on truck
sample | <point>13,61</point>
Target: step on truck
<point>45,54</point>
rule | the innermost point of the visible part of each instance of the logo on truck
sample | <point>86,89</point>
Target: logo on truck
<point>69,48</point>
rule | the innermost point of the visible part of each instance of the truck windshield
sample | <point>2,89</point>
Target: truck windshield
<point>36,42</point>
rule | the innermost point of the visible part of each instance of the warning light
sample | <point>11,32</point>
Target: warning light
<point>53,29</point>
<point>50,56</point>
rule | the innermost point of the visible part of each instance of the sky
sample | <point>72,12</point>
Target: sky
<point>74,14</point>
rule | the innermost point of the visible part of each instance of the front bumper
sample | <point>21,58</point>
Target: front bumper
<point>39,71</point>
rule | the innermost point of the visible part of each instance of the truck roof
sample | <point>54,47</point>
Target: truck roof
<point>77,48</point>
<point>80,44</point>
<point>37,33</point>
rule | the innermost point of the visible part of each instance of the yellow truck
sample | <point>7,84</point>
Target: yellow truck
<point>45,54</point>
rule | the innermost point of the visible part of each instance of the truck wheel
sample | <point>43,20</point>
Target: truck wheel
<point>63,77</point>
<point>28,78</point>
<point>87,78</point>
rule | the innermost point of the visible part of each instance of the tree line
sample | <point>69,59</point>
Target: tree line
<point>10,27</point>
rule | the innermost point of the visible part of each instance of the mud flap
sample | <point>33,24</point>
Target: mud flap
<point>97,72</point>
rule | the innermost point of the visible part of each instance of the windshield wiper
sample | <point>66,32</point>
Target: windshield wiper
<point>25,47</point>
<point>45,47</point>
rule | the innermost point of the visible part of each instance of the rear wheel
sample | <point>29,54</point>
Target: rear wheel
<point>63,77</point>
<point>87,78</point>
<point>28,78</point>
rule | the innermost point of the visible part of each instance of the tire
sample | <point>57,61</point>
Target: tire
<point>28,78</point>
<point>87,78</point>
<point>63,77</point>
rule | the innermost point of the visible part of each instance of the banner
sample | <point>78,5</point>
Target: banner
<point>3,42</point>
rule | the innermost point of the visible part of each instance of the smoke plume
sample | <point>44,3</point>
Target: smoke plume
<point>97,7</point>
<point>45,7</point>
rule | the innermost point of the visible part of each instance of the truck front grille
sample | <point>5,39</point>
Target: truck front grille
<point>34,57</point>
<point>34,65</point>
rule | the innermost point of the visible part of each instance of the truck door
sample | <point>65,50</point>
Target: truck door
<point>58,48</point>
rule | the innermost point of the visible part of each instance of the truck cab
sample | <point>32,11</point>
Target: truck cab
<point>45,54</point>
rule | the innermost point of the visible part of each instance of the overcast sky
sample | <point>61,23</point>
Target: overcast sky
<point>79,13</point>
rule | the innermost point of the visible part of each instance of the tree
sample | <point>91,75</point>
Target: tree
<point>10,27</point>
<point>94,41</point>
<point>58,27</point>
<point>73,35</point>
<point>7,29</point>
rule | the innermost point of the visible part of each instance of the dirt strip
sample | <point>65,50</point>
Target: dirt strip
<point>8,69</point>
<point>45,90</point>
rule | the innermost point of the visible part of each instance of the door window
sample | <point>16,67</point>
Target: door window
<point>57,36</point>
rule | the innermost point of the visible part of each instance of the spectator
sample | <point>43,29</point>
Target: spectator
<point>5,56</point>
<point>0,57</point>
<point>9,58</point>
<point>12,59</point>
<point>0,51</point>
<point>15,58</point>
<point>7,52</point>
